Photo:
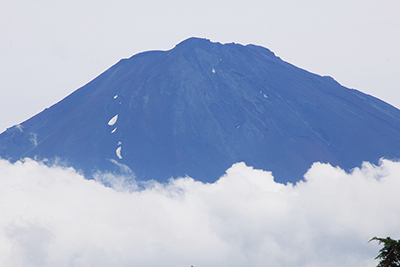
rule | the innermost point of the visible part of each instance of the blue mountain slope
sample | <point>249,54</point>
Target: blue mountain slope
<point>202,106</point>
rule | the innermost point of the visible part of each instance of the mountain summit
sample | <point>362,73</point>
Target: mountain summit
<point>202,106</point>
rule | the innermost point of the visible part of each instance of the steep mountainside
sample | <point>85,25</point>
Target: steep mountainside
<point>202,106</point>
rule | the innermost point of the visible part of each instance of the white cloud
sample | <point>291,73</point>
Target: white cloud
<point>52,216</point>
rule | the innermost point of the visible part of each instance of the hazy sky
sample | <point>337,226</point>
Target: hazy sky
<point>48,49</point>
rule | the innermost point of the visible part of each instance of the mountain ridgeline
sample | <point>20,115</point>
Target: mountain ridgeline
<point>202,106</point>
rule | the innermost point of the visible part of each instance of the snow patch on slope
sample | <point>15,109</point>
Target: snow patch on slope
<point>113,120</point>
<point>33,139</point>
<point>19,127</point>
<point>118,152</point>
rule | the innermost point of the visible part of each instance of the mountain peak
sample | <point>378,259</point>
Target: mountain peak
<point>194,41</point>
<point>201,107</point>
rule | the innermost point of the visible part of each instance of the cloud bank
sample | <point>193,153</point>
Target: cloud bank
<point>52,216</point>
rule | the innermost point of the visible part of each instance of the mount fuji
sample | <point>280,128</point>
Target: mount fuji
<point>202,106</point>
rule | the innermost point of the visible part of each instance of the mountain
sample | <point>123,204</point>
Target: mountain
<point>202,106</point>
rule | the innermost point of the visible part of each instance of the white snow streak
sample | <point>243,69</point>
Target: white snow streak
<point>113,120</point>
<point>118,152</point>
<point>33,139</point>
<point>19,127</point>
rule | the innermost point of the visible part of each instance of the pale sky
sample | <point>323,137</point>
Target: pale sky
<point>48,49</point>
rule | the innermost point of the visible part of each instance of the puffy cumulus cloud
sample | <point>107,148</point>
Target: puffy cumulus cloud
<point>52,216</point>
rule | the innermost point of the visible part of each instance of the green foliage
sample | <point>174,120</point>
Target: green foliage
<point>389,255</point>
